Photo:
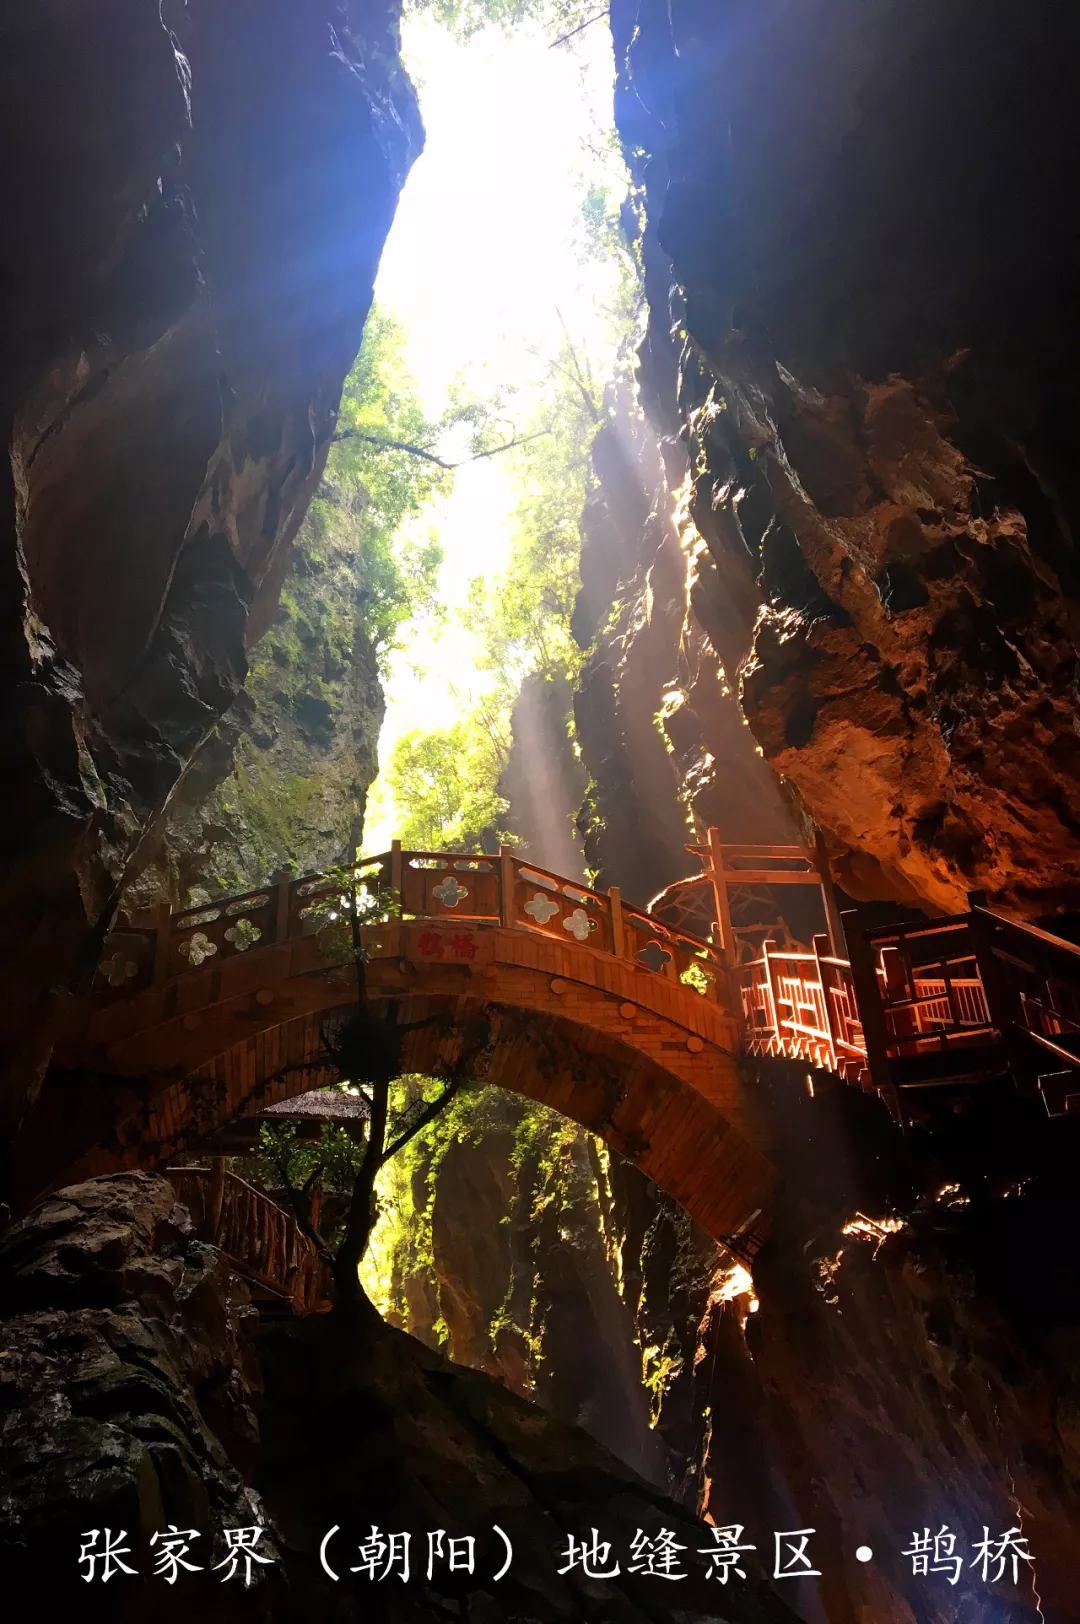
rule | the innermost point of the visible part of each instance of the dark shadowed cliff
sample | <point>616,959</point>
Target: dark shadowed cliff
<point>863,208</point>
<point>194,201</point>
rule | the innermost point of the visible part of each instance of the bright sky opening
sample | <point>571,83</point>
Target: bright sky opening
<point>483,266</point>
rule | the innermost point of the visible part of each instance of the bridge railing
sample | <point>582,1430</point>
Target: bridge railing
<point>570,912</point>
<point>263,1243</point>
<point>912,996</point>
<point>803,1006</point>
<point>498,890</point>
<point>931,987</point>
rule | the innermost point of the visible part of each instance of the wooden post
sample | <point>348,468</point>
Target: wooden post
<point>618,945</point>
<point>833,922</point>
<point>823,949</point>
<point>293,1283</point>
<point>1000,1001</point>
<point>507,881</point>
<point>217,1197</point>
<point>871,1015</point>
<point>726,946</point>
<point>774,1002</point>
<point>397,875</point>
<point>162,938</point>
<point>284,899</point>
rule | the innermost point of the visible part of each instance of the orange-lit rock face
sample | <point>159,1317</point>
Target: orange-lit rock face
<point>925,709</point>
<point>874,297</point>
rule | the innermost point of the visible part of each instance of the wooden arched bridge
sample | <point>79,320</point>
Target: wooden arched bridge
<point>597,1009</point>
<point>630,1025</point>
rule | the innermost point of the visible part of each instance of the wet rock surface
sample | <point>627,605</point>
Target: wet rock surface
<point>909,1361</point>
<point>127,1383</point>
<point>126,1389</point>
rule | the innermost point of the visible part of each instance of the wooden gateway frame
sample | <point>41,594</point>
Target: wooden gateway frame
<point>731,864</point>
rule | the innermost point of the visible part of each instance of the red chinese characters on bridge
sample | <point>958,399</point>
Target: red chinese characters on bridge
<point>431,944</point>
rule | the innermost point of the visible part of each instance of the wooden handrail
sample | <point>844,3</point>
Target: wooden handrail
<point>260,1240</point>
<point>1055,943</point>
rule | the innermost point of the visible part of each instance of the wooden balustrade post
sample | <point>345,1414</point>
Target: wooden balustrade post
<point>726,946</point>
<point>618,945</point>
<point>822,949</point>
<point>292,1281</point>
<point>162,940</point>
<point>770,982</point>
<point>284,901</point>
<point>397,875</point>
<point>216,1199</point>
<point>834,923</point>
<point>507,882</point>
<point>999,999</point>
<point>871,1015</point>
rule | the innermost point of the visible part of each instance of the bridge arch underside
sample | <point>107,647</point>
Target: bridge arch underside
<point>656,1119</point>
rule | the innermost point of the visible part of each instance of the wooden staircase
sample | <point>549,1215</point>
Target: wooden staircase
<point>262,1243</point>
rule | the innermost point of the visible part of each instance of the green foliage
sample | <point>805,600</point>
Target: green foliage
<point>545,1162</point>
<point>695,975</point>
<point>524,616</point>
<point>354,575</point>
<point>338,1155</point>
<point>466,17</point>
<point>282,1157</point>
<point>446,780</point>
<point>402,1240</point>
<point>661,1368</point>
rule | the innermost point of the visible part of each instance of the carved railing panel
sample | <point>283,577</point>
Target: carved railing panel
<point>448,885</point>
<point>560,908</point>
<point>207,936</point>
<point>126,965</point>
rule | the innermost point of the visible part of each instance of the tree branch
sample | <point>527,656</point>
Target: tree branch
<point>428,1114</point>
<point>300,1202</point>
<point>429,456</point>
<point>309,1183</point>
<point>594,19</point>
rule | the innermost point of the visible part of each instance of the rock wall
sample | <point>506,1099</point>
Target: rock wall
<point>500,1249</point>
<point>195,199</point>
<point>658,728</point>
<point>127,1378</point>
<point>907,1359</point>
<point>860,209</point>
<point>282,782</point>
<point>127,1386</point>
